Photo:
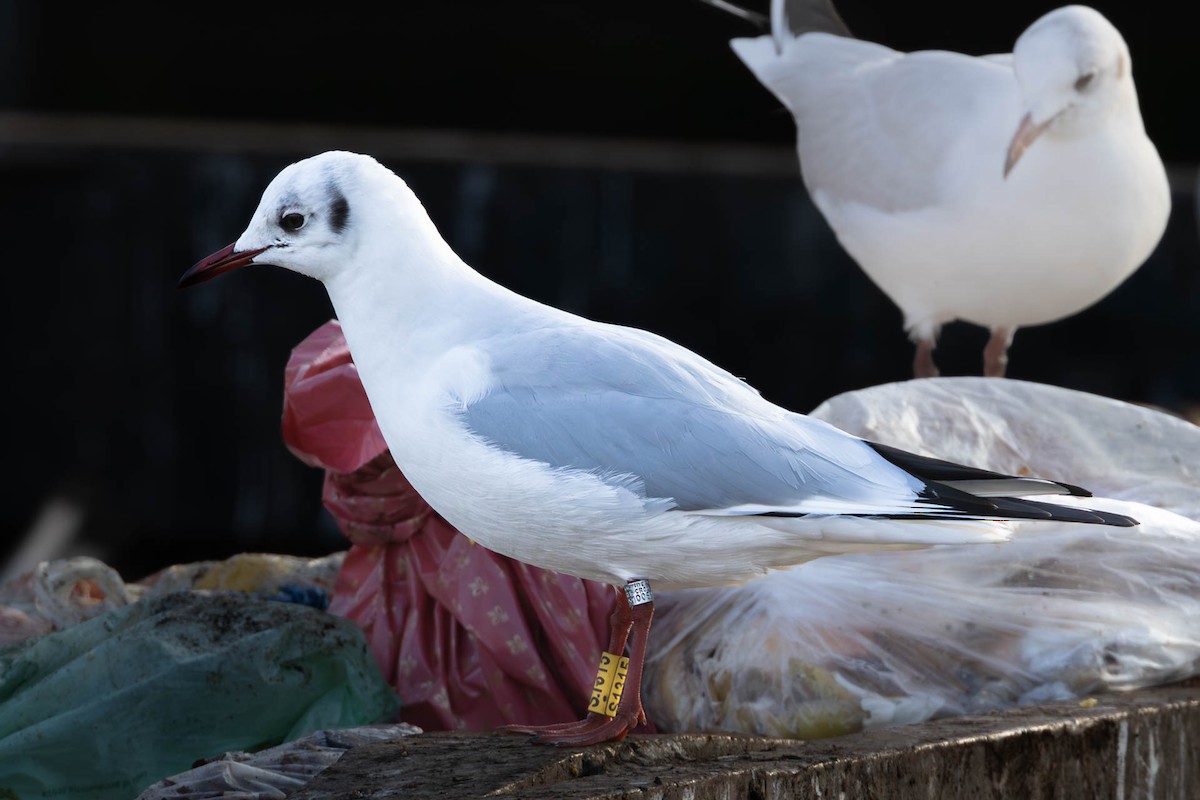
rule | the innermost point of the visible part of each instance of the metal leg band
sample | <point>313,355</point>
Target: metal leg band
<point>638,592</point>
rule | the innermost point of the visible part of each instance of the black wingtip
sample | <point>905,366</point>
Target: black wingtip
<point>935,469</point>
<point>1018,507</point>
<point>963,504</point>
<point>1118,520</point>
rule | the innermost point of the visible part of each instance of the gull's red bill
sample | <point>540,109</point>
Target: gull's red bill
<point>220,262</point>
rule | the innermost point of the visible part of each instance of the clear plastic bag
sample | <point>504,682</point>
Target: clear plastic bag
<point>1114,449</point>
<point>845,643</point>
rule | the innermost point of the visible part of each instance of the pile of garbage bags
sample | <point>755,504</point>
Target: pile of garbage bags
<point>107,688</point>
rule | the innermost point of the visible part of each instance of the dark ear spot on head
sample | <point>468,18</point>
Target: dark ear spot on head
<point>339,212</point>
<point>1120,67</point>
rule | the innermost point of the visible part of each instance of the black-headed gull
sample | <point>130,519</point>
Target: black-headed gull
<point>596,450</point>
<point>1005,190</point>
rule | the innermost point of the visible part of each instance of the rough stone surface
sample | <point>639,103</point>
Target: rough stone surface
<point>1142,744</point>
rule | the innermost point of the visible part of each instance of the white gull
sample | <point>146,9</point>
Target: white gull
<point>600,451</point>
<point>1004,190</point>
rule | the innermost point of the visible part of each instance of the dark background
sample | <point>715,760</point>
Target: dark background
<point>612,158</point>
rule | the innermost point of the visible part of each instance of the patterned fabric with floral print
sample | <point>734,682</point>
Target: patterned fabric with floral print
<point>469,639</point>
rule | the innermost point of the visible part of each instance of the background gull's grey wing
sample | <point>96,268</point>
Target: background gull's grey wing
<point>875,125</point>
<point>639,411</point>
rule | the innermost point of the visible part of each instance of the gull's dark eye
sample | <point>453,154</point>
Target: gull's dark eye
<point>1084,80</point>
<point>291,222</point>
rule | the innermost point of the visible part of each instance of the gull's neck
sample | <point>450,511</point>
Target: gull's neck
<point>408,298</point>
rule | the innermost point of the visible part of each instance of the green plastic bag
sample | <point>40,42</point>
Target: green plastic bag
<point>103,709</point>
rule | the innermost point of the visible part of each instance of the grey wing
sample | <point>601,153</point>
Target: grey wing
<point>630,411</point>
<point>874,125</point>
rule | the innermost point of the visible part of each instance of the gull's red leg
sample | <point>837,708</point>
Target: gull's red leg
<point>630,713</point>
<point>995,354</point>
<point>923,366</point>
<point>620,622</point>
<point>635,609</point>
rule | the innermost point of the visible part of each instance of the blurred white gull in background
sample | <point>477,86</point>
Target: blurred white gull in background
<point>1004,190</point>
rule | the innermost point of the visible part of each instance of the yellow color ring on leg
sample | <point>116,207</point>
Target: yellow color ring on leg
<point>618,687</point>
<point>610,682</point>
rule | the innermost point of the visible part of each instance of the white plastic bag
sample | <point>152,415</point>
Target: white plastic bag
<point>1063,609</point>
<point>1112,448</point>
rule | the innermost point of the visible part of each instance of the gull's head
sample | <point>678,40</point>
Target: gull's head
<point>1074,71</point>
<point>309,219</point>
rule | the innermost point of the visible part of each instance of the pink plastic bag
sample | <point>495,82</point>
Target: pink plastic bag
<point>469,639</point>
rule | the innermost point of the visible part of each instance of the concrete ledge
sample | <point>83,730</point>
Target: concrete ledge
<point>1143,744</point>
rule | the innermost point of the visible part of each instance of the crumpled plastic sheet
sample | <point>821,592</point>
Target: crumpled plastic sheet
<point>271,774</point>
<point>877,639</point>
<point>470,639</point>
<point>104,708</point>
